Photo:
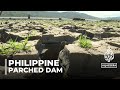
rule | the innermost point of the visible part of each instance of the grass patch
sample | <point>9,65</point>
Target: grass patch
<point>84,42</point>
<point>12,47</point>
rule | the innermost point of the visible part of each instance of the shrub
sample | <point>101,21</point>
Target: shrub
<point>84,42</point>
<point>12,47</point>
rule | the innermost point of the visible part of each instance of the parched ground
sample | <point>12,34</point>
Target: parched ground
<point>62,34</point>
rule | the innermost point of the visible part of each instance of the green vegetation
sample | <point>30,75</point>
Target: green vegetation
<point>33,33</point>
<point>52,14</point>
<point>12,47</point>
<point>84,42</point>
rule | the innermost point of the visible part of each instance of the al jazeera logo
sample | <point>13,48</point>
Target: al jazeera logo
<point>109,56</point>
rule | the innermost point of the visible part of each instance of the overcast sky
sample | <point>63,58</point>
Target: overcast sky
<point>102,14</point>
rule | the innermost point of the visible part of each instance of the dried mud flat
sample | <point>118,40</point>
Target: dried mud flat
<point>58,39</point>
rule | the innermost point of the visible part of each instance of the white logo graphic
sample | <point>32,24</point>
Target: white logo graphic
<point>109,55</point>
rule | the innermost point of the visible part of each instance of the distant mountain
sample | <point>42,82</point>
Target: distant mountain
<point>113,18</point>
<point>49,14</point>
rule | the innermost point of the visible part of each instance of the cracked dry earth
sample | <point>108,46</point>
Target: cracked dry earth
<point>59,40</point>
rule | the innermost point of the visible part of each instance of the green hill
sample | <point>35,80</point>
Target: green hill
<point>48,14</point>
<point>113,18</point>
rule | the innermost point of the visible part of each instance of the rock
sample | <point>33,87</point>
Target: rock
<point>109,34</point>
<point>10,25</point>
<point>26,28</point>
<point>69,27</point>
<point>50,51</point>
<point>40,29</point>
<point>78,30</point>
<point>114,44</point>
<point>2,70</point>
<point>51,38</point>
<point>30,27</point>
<point>27,56</point>
<point>2,60</point>
<point>106,29</point>
<point>106,35</point>
<point>7,29</point>
<point>46,38</point>
<point>44,31</point>
<point>79,62</point>
<point>34,37</point>
<point>64,61</point>
<point>4,36</point>
<point>6,22</point>
<point>89,34</point>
